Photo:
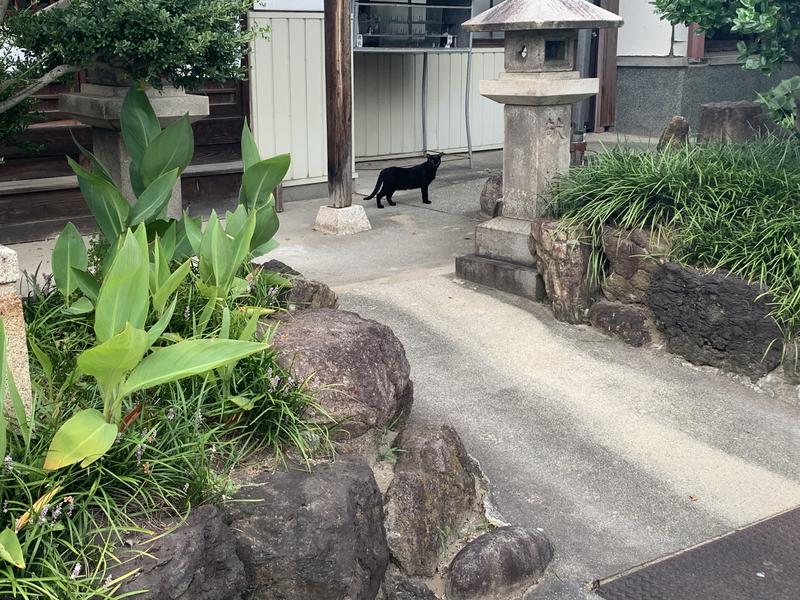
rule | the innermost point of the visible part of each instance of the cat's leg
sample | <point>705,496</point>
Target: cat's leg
<point>389,199</point>
<point>379,198</point>
<point>425,195</point>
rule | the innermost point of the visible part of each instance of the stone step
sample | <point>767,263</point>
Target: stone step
<point>520,280</point>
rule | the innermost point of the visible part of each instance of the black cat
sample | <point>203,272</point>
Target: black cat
<point>411,178</point>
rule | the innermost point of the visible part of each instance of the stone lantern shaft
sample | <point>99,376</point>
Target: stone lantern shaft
<point>538,89</point>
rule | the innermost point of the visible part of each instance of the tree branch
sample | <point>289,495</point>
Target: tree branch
<point>42,82</point>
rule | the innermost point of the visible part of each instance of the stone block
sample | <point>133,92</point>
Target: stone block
<point>633,256</point>
<point>14,320</point>
<point>519,280</point>
<point>504,239</point>
<point>629,322</point>
<point>732,121</point>
<point>342,221</point>
<point>716,319</point>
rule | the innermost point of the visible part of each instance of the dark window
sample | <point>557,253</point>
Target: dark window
<point>555,51</point>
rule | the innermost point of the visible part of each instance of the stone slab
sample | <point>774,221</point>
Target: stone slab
<point>504,239</point>
<point>12,316</point>
<point>538,91</point>
<point>519,280</point>
<point>342,221</point>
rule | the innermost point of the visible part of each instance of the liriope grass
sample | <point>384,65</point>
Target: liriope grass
<point>734,207</point>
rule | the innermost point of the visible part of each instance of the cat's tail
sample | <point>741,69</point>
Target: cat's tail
<point>377,187</point>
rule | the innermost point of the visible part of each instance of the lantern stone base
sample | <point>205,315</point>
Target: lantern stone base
<point>16,340</point>
<point>520,280</point>
<point>505,239</point>
<point>342,221</point>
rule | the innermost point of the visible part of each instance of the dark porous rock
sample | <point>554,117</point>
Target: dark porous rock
<point>281,268</point>
<point>633,256</point>
<point>714,319</point>
<point>492,194</point>
<point>499,564</point>
<point>733,121</point>
<point>791,363</point>
<point>562,260</point>
<point>357,366</point>
<point>629,322</point>
<point>675,134</point>
<point>433,491</point>
<point>397,586</point>
<point>196,561</point>
<point>312,535</point>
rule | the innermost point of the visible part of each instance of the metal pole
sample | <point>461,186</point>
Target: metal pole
<point>424,102</point>
<point>468,94</point>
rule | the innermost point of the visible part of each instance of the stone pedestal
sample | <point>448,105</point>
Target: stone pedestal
<point>100,106</point>
<point>342,221</point>
<point>16,340</point>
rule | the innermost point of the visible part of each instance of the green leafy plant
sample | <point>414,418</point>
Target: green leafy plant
<point>781,103</point>
<point>733,207</point>
<point>120,362</point>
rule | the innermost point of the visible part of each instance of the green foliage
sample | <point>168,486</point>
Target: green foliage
<point>730,207</point>
<point>781,103</point>
<point>183,42</point>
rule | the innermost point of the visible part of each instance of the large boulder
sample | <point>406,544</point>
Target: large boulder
<point>629,322</point>
<point>733,121</point>
<point>715,319</point>
<point>311,535</point>
<point>397,586</point>
<point>563,260</point>
<point>500,564</point>
<point>196,561</point>
<point>433,491</point>
<point>357,366</point>
<point>633,256</point>
<point>492,194</point>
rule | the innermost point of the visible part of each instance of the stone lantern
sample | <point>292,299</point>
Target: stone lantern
<point>99,104</point>
<point>538,88</point>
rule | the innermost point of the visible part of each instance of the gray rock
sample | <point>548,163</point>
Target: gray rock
<point>675,134</point>
<point>791,363</point>
<point>629,322</point>
<point>498,564</point>
<point>312,535</point>
<point>358,367</point>
<point>563,259</point>
<point>633,256</point>
<point>492,194</point>
<point>433,492</point>
<point>714,319</point>
<point>733,121</point>
<point>397,586</point>
<point>197,561</point>
<point>304,293</point>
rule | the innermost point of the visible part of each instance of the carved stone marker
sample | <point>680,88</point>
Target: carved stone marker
<point>538,89</point>
<point>11,314</point>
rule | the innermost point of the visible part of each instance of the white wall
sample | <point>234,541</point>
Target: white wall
<point>644,32</point>
<point>287,5</point>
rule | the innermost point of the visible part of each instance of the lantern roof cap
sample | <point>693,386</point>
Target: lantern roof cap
<point>517,15</point>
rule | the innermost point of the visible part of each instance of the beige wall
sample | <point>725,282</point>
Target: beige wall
<point>646,34</point>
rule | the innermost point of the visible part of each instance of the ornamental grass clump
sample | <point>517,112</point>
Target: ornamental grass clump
<point>731,207</point>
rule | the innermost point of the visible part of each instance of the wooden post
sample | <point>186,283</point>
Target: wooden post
<point>338,60</point>
<point>607,72</point>
<point>696,44</point>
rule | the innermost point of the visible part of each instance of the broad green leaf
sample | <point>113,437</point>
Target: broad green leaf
<point>136,178</point>
<point>3,424</point>
<point>44,361</point>
<point>82,306</point>
<point>261,179</point>
<point>225,327</point>
<point>193,232</point>
<point>240,246</point>
<point>109,207</point>
<point>236,221</point>
<point>97,167</point>
<point>83,438</point>
<point>173,282</point>
<point>153,201</point>
<point>87,284</point>
<point>250,327</point>
<point>243,402</point>
<point>138,122</point>
<point>265,248</point>
<point>68,253</point>
<point>169,240</point>
<point>19,406</point>
<point>186,359</point>
<point>172,149</point>
<point>267,225</point>
<point>157,330</point>
<point>250,155</point>
<point>109,361</point>
<point>125,296</point>
<point>10,549</point>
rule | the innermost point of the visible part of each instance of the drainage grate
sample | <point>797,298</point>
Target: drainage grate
<point>759,562</point>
